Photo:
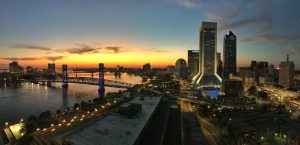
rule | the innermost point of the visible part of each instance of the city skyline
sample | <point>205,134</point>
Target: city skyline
<point>82,34</point>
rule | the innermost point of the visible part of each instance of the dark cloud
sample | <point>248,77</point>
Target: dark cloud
<point>291,49</point>
<point>20,58</point>
<point>51,58</point>
<point>263,23</point>
<point>245,39</point>
<point>154,50</point>
<point>54,58</point>
<point>36,47</point>
<point>296,37</point>
<point>81,49</point>
<point>115,49</point>
<point>224,10</point>
<point>268,38</point>
<point>190,4</point>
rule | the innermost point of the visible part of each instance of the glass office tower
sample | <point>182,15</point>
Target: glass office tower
<point>207,74</point>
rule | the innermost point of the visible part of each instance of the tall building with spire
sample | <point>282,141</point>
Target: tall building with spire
<point>229,55</point>
<point>207,73</point>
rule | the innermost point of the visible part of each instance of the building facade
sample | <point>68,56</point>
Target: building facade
<point>193,61</point>
<point>14,67</point>
<point>233,87</point>
<point>248,77</point>
<point>229,55</point>
<point>220,65</point>
<point>147,68</point>
<point>286,73</point>
<point>51,68</point>
<point>180,68</point>
<point>261,69</point>
<point>207,72</point>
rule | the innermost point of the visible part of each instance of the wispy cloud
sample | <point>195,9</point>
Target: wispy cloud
<point>82,48</point>
<point>262,22</point>
<point>154,50</point>
<point>268,38</point>
<point>51,58</point>
<point>222,11</point>
<point>291,49</point>
<point>190,4</point>
<point>245,39</point>
<point>29,46</point>
<point>54,58</point>
<point>115,49</point>
<point>20,58</point>
<point>79,49</point>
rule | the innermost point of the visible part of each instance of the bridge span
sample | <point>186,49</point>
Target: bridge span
<point>89,81</point>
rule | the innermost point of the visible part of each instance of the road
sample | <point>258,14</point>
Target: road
<point>210,131</point>
<point>192,132</point>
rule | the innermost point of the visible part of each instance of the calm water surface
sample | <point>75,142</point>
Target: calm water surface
<point>22,100</point>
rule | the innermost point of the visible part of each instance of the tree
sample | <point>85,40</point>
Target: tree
<point>281,109</point>
<point>265,107</point>
<point>76,105</point>
<point>47,115</point>
<point>58,112</point>
<point>263,95</point>
<point>31,124</point>
<point>68,108</point>
<point>252,90</point>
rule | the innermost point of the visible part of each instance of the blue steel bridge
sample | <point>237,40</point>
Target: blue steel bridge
<point>85,80</point>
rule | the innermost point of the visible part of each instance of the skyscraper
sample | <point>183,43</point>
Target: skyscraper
<point>286,73</point>
<point>229,55</point>
<point>207,72</point>
<point>180,68</point>
<point>193,60</point>
<point>220,64</point>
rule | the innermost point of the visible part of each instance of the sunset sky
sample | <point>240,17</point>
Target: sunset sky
<point>83,33</point>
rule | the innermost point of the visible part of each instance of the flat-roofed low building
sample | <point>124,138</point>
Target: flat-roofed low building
<point>112,128</point>
<point>233,87</point>
<point>248,77</point>
<point>261,127</point>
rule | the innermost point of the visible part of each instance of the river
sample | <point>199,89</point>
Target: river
<point>25,99</point>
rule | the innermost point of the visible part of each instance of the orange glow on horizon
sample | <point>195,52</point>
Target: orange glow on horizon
<point>134,59</point>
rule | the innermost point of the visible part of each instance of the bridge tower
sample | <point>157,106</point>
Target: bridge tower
<point>65,76</point>
<point>101,87</point>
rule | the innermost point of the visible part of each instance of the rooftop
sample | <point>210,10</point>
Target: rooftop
<point>114,128</point>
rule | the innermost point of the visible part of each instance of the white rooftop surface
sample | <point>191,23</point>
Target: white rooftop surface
<point>115,129</point>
